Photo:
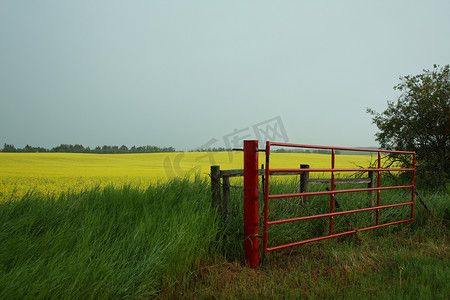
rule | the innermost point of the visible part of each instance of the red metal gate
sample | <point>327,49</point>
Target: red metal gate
<point>250,163</point>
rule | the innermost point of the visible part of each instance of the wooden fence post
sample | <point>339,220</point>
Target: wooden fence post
<point>226,198</point>
<point>215,187</point>
<point>304,184</point>
<point>371,184</point>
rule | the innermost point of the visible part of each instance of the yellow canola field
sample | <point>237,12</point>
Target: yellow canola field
<point>54,173</point>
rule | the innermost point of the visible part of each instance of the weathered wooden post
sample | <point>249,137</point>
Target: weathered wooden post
<point>371,184</point>
<point>226,198</point>
<point>215,187</point>
<point>304,184</point>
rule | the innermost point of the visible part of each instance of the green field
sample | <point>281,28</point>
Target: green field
<point>165,241</point>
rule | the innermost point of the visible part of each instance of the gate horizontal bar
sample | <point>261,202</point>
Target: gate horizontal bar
<point>349,180</point>
<point>333,235</point>
<point>339,170</point>
<point>337,213</point>
<point>337,148</point>
<point>339,191</point>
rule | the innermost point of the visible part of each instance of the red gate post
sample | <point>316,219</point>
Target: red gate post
<point>251,207</point>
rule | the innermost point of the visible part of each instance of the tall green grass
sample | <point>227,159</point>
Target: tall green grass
<point>131,243</point>
<point>105,243</point>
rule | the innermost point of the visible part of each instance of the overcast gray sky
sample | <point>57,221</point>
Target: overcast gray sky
<point>182,73</point>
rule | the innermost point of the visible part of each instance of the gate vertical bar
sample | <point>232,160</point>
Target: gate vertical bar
<point>332,189</point>
<point>413,184</point>
<point>251,207</point>
<point>266,196</point>
<point>378,185</point>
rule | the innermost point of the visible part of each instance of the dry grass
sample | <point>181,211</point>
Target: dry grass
<point>350,268</point>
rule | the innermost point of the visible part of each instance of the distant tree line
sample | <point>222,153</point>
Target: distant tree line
<point>66,148</point>
<point>318,151</point>
<point>221,149</point>
<point>214,149</point>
